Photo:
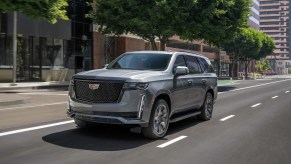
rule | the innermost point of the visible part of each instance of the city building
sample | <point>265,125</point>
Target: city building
<point>46,52</point>
<point>275,22</point>
<point>54,52</point>
<point>254,16</point>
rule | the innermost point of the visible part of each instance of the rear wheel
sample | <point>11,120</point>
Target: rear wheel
<point>207,108</point>
<point>159,121</point>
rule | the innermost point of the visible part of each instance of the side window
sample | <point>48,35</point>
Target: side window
<point>180,61</point>
<point>193,65</point>
<point>206,66</point>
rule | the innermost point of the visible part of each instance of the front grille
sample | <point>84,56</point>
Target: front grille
<point>98,92</point>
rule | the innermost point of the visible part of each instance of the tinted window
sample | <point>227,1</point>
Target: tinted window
<point>180,61</point>
<point>141,61</point>
<point>207,67</point>
<point>193,64</point>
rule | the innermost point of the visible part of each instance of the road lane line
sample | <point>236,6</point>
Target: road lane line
<point>171,141</point>
<point>226,118</point>
<point>33,106</point>
<point>275,97</point>
<point>53,94</point>
<point>35,128</point>
<point>287,91</point>
<point>254,86</point>
<point>256,105</point>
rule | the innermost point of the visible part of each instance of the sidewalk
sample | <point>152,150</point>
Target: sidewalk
<point>6,87</point>
<point>7,99</point>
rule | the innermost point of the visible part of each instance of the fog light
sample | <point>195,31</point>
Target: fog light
<point>141,106</point>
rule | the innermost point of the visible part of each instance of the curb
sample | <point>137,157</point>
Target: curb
<point>233,82</point>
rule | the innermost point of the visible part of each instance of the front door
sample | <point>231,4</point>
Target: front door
<point>180,95</point>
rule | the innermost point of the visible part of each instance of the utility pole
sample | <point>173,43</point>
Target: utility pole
<point>14,47</point>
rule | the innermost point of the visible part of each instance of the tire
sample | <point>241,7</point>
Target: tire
<point>81,124</point>
<point>207,108</point>
<point>159,120</point>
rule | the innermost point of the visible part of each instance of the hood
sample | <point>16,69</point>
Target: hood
<point>120,74</point>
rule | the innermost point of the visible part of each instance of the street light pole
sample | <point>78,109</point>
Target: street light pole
<point>14,47</point>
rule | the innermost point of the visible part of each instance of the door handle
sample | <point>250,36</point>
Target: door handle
<point>190,82</point>
<point>204,81</point>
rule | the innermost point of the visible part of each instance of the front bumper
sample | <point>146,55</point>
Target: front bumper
<point>107,119</point>
<point>126,112</point>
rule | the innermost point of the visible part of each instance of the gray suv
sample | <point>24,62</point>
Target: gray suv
<point>145,90</point>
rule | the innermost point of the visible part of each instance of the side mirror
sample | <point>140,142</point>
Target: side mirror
<point>181,70</point>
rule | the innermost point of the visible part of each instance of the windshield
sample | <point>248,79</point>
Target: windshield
<point>141,61</point>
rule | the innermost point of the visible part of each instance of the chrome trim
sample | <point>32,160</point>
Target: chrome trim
<point>141,106</point>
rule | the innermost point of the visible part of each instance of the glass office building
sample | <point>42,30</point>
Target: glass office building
<point>46,52</point>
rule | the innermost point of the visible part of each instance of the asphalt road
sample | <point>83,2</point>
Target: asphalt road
<point>251,124</point>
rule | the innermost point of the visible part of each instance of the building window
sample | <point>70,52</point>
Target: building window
<point>5,51</point>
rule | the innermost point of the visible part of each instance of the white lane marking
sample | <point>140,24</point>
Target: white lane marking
<point>256,85</point>
<point>35,128</point>
<point>226,118</point>
<point>220,93</point>
<point>33,106</point>
<point>287,91</point>
<point>171,141</point>
<point>256,105</point>
<point>275,97</point>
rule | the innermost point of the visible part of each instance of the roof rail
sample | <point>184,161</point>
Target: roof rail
<point>191,52</point>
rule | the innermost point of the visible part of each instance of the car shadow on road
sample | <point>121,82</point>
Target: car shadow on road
<point>225,88</point>
<point>109,138</point>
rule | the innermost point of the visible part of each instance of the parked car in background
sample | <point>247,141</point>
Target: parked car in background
<point>146,89</point>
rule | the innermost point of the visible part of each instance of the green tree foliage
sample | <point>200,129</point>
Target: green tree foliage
<point>268,46</point>
<point>210,20</point>
<point>263,65</point>
<point>51,10</point>
<point>249,44</point>
<point>215,21</point>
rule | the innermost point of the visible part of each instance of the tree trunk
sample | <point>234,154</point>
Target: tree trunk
<point>162,45</point>
<point>153,44</point>
<point>246,68</point>
<point>233,65</point>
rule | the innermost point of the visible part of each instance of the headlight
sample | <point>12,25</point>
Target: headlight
<point>72,89</point>
<point>72,82</point>
<point>135,86</point>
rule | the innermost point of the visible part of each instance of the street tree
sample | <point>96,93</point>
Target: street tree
<point>207,20</point>
<point>249,44</point>
<point>263,65</point>
<point>268,46</point>
<point>216,21</point>
<point>244,46</point>
<point>50,10</point>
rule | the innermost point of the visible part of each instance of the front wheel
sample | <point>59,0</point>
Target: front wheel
<point>207,107</point>
<point>159,120</point>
